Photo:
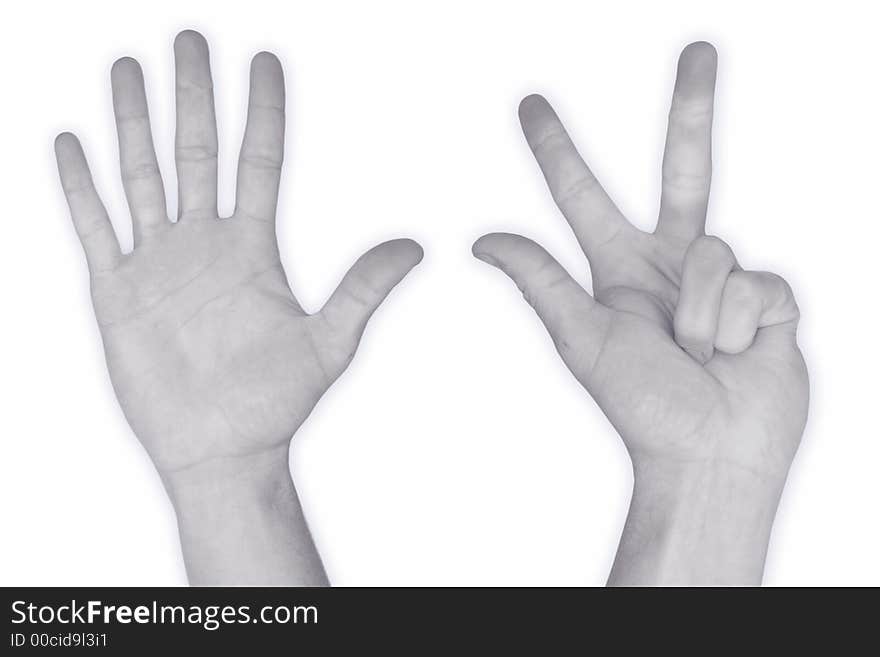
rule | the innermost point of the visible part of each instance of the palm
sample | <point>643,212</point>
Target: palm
<point>685,353</point>
<point>209,352</point>
<point>661,399</point>
<point>206,345</point>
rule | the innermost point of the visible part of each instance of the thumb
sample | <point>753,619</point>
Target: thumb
<point>574,320</point>
<point>368,282</point>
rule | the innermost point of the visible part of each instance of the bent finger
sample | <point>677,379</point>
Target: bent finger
<point>752,300</point>
<point>706,267</point>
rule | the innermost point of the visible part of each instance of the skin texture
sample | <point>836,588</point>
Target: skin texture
<point>213,360</point>
<point>693,360</point>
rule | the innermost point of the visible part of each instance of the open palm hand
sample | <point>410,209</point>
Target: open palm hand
<point>210,354</point>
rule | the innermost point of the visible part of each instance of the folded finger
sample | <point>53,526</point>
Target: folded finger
<point>707,264</point>
<point>752,300</point>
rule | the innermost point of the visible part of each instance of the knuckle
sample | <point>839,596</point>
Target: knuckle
<point>195,87</point>
<point>781,284</point>
<point>575,190</point>
<point>274,113</point>
<point>781,298</point>
<point>739,287</point>
<point>708,250</point>
<point>76,188</point>
<point>691,111</point>
<point>543,283</point>
<point>134,122</point>
<point>141,171</point>
<point>767,286</point>
<point>684,181</point>
<point>262,160</point>
<point>196,153</point>
<point>550,141</point>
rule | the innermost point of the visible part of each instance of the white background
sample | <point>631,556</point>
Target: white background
<point>457,449</point>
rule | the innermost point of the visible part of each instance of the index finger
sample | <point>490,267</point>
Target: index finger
<point>262,149</point>
<point>592,214</point>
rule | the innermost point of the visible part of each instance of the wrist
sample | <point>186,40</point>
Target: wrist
<point>254,478</point>
<point>241,522</point>
<point>697,523</point>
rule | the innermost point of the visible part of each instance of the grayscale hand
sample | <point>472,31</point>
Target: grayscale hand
<point>692,359</point>
<point>214,362</point>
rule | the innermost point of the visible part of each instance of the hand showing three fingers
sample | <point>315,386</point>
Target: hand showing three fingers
<point>214,362</point>
<point>693,360</point>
